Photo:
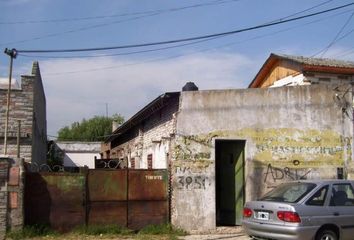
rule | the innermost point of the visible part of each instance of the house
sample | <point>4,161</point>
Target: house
<point>78,154</point>
<point>225,147</point>
<point>27,106</point>
<point>286,70</point>
<point>144,141</point>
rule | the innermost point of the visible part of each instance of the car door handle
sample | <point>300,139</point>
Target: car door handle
<point>336,214</point>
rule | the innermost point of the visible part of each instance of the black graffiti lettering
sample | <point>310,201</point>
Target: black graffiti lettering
<point>275,174</point>
<point>198,184</point>
<point>287,173</point>
<point>192,182</point>
<point>189,180</point>
<point>269,170</point>
<point>279,174</point>
<point>181,182</point>
<point>304,175</point>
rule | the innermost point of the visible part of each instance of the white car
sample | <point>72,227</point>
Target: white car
<point>303,210</point>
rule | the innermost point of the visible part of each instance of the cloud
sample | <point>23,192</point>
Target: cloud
<point>127,85</point>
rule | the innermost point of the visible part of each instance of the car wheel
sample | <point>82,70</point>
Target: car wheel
<point>326,235</point>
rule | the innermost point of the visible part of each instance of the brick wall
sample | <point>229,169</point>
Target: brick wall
<point>27,105</point>
<point>4,166</point>
<point>151,136</point>
<point>11,195</point>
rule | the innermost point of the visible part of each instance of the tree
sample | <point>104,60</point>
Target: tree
<point>94,129</point>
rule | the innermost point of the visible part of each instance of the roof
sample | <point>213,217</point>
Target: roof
<point>306,63</point>
<point>326,62</point>
<point>143,114</point>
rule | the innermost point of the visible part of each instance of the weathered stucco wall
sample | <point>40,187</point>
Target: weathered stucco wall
<point>290,133</point>
<point>39,121</point>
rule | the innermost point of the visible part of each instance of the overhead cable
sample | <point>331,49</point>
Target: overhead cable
<point>186,39</point>
<point>211,3</point>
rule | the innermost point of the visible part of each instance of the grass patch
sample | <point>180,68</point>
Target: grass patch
<point>37,230</point>
<point>102,230</point>
<point>162,229</point>
<point>151,232</point>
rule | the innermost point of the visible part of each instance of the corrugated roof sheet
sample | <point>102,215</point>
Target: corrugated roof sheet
<point>327,62</point>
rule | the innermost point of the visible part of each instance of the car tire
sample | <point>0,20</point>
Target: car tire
<point>326,234</point>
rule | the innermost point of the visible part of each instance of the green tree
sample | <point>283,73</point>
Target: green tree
<point>94,129</point>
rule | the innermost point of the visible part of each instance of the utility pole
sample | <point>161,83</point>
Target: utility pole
<point>106,110</point>
<point>12,53</point>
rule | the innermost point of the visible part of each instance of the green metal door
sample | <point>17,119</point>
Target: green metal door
<point>229,181</point>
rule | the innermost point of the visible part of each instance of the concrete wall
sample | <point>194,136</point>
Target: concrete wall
<point>290,133</point>
<point>39,124</point>
<point>27,105</point>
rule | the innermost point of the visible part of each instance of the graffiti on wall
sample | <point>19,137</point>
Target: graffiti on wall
<point>312,148</point>
<point>275,174</point>
<point>282,154</point>
<point>192,182</point>
<point>191,178</point>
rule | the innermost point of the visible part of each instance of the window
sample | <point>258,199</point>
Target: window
<point>149,161</point>
<point>318,198</point>
<point>342,195</point>
<point>132,163</point>
<point>289,192</point>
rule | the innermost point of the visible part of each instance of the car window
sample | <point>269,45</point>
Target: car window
<point>342,195</point>
<point>318,198</point>
<point>289,192</point>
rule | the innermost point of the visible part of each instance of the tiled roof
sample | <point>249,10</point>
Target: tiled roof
<point>326,62</point>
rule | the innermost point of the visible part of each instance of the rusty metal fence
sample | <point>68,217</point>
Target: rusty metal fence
<point>124,197</point>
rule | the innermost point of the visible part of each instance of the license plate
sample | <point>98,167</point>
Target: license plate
<point>263,215</point>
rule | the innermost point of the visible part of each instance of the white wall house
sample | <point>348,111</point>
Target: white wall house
<point>79,154</point>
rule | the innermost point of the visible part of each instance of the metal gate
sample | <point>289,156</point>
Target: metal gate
<point>129,198</point>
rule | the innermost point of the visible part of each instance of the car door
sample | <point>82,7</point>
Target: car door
<point>313,211</point>
<point>341,208</point>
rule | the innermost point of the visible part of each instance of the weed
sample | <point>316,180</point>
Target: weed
<point>159,229</point>
<point>102,229</point>
<point>36,230</point>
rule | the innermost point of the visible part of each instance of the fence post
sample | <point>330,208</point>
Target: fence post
<point>85,197</point>
<point>127,197</point>
<point>18,137</point>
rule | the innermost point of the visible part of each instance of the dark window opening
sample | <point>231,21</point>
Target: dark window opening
<point>149,161</point>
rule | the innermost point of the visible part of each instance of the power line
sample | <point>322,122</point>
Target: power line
<point>185,44</point>
<point>80,29</point>
<point>120,54</point>
<point>165,48</point>
<point>187,39</point>
<point>147,14</point>
<point>337,36</point>
<point>336,40</point>
<point>211,3</point>
<point>182,55</point>
<point>305,10</point>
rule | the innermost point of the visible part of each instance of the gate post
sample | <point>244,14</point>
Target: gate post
<point>11,194</point>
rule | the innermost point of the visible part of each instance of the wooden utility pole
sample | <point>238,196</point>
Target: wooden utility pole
<point>12,53</point>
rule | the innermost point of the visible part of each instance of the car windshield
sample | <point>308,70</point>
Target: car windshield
<point>289,192</point>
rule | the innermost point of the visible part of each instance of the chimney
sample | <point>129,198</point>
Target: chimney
<point>190,86</point>
<point>115,125</point>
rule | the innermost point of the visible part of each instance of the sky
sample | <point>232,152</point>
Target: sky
<point>81,85</point>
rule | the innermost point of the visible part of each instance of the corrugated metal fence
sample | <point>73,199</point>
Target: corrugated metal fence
<point>128,198</point>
